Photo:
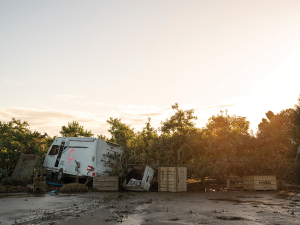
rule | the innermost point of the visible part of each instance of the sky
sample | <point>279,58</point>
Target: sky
<point>87,61</point>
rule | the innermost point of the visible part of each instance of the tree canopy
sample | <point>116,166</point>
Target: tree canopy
<point>224,146</point>
<point>75,130</point>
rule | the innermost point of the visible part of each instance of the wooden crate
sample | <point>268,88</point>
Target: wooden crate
<point>146,171</point>
<point>172,179</point>
<point>39,184</point>
<point>259,183</point>
<point>105,183</point>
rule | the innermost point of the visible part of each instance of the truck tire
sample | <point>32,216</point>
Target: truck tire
<point>60,175</point>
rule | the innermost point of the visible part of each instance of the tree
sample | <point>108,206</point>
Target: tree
<point>103,137</point>
<point>75,130</point>
<point>296,124</point>
<point>142,142</point>
<point>175,132</point>
<point>121,133</point>
<point>17,138</point>
<point>226,141</point>
<point>180,123</point>
<point>226,134</point>
<point>275,133</point>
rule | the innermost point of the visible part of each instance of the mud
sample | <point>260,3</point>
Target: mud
<point>232,207</point>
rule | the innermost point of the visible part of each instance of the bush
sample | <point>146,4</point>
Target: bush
<point>4,178</point>
<point>74,187</point>
<point>3,189</point>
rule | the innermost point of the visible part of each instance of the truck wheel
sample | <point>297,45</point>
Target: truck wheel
<point>60,176</point>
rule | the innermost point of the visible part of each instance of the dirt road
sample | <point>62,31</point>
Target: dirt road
<point>235,207</point>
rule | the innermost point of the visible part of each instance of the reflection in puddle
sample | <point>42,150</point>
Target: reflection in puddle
<point>37,194</point>
<point>133,220</point>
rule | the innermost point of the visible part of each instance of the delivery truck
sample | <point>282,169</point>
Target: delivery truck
<point>83,157</point>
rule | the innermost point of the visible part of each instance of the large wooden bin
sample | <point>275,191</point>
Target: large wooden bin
<point>106,183</point>
<point>39,184</point>
<point>259,183</point>
<point>147,172</point>
<point>172,179</point>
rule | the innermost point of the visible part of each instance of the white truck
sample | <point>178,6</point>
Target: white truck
<point>79,156</point>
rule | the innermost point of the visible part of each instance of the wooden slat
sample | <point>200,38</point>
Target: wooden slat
<point>247,178</point>
<point>182,179</point>
<point>248,182</point>
<point>248,187</point>
<point>259,183</point>
<point>265,182</point>
<point>269,187</point>
<point>107,188</point>
<point>105,183</point>
<point>264,177</point>
<point>134,188</point>
<point>172,179</point>
<point>105,178</point>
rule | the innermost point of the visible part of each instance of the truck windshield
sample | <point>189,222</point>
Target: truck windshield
<point>53,150</point>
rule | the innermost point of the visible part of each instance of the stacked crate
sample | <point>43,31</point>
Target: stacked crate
<point>106,183</point>
<point>259,183</point>
<point>173,179</point>
<point>39,184</point>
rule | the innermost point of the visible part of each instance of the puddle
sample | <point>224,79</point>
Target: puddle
<point>37,194</point>
<point>237,202</point>
<point>229,218</point>
<point>14,195</point>
<point>133,220</point>
<point>226,199</point>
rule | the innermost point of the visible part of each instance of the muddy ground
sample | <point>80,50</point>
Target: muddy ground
<point>108,208</point>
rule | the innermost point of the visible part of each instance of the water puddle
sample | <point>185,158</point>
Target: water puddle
<point>14,195</point>
<point>229,218</point>
<point>133,220</point>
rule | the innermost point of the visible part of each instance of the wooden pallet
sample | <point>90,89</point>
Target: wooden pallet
<point>106,183</point>
<point>39,184</point>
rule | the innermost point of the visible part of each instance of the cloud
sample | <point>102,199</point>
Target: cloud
<point>51,121</point>
<point>217,106</point>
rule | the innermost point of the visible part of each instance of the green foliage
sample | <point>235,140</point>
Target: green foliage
<point>275,135</point>
<point>180,123</point>
<point>102,137</point>
<point>75,130</point>
<point>223,147</point>
<point>121,133</point>
<point>4,178</point>
<point>296,124</point>
<point>17,138</point>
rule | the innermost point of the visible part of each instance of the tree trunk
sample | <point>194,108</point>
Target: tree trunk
<point>203,182</point>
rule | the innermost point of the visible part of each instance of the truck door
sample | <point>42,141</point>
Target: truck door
<point>59,153</point>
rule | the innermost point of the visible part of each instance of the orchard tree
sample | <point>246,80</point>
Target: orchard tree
<point>175,132</point>
<point>226,134</point>
<point>143,140</point>
<point>121,133</point>
<point>16,138</point>
<point>275,134</point>
<point>296,124</point>
<point>227,142</point>
<point>181,122</point>
<point>75,130</point>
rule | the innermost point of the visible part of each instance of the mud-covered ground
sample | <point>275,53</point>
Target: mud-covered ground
<point>230,207</point>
